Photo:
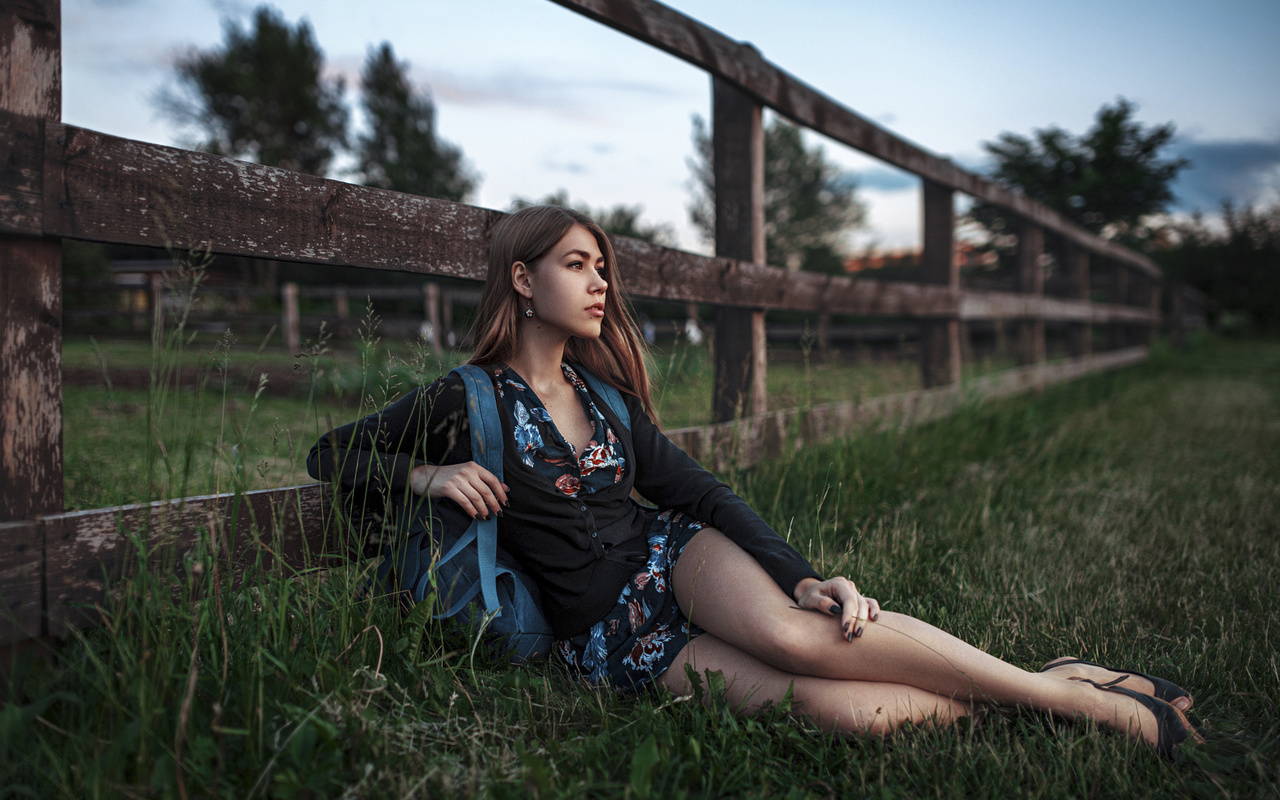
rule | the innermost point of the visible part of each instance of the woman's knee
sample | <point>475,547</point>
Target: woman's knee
<point>793,644</point>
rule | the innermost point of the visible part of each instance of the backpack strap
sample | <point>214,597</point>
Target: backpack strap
<point>486,450</point>
<point>606,392</point>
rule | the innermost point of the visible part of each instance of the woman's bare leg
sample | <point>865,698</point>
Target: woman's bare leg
<point>722,589</point>
<point>835,705</point>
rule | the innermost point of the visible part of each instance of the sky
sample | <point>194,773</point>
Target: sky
<point>541,99</point>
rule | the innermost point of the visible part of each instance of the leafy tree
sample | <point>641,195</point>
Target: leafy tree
<point>620,220</point>
<point>401,150</point>
<point>1237,265</point>
<point>809,203</point>
<point>261,96</point>
<point>1108,181</point>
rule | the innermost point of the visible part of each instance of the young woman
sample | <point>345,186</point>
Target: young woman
<point>636,595</point>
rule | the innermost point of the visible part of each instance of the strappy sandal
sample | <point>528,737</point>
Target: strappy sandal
<point>1172,727</point>
<point>1167,691</point>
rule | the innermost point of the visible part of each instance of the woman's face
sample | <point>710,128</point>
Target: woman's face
<point>567,286</point>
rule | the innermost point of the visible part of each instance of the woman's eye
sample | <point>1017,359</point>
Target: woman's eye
<point>574,265</point>
<point>601,271</point>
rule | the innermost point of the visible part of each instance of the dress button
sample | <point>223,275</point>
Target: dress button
<point>594,534</point>
<point>582,508</point>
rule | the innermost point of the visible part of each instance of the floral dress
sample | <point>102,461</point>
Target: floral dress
<point>644,632</point>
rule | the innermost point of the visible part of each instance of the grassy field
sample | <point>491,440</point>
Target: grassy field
<point>224,416</point>
<point>1130,518</point>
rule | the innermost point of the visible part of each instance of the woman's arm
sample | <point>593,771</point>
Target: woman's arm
<point>666,475</point>
<point>379,452</point>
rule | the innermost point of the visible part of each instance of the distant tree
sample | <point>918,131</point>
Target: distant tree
<point>261,96</point>
<point>619,220</point>
<point>401,150</point>
<point>1237,265</point>
<point>1110,181</point>
<point>809,204</point>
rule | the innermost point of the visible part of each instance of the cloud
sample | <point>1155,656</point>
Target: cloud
<point>1246,171</point>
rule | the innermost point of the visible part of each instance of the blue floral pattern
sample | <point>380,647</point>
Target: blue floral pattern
<point>640,638</point>
<point>601,462</point>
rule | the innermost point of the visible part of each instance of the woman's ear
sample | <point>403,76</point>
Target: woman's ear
<point>521,279</point>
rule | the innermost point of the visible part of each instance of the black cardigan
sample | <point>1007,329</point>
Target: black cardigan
<point>582,550</point>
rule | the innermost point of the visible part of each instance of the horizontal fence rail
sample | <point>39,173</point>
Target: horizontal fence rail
<point>743,66</point>
<point>59,181</point>
<point>103,188</point>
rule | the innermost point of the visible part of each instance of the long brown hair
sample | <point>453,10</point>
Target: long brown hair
<point>618,356</point>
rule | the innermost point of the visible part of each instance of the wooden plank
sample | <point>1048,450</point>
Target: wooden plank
<point>31,58</point>
<point>88,549</point>
<point>939,338</point>
<point>737,146</point>
<point>21,174</point>
<point>289,317</point>
<point>1118,332</point>
<point>280,217</point>
<point>976,305</point>
<point>743,442</point>
<point>1030,347</point>
<point>126,192</point>
<point>30,270</point>
<point>1076,266</point>
<point>742,65</point>
<point>30,378</point>
<point>431,301</point>
<point>21,581</point>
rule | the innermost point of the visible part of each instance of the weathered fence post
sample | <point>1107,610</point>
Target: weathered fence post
<point>1177,323</point>
<point>1030,336</point>
<point>1076,267</point>
<point>431,300</point>
<point>1154,285</point>
<point>737,140</point>
<point>156,289</point>
<point>1118,332</point>
<point>939,338</point>
<point>343,305</point>
<point>447,337</point>
<point>289,299</point>
<point>31,321</point>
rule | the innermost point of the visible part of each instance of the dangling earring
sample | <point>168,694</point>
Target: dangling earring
<point>528,312</point>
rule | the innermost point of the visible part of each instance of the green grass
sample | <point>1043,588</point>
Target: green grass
<point>228,417</point>
<point>1130,518</point>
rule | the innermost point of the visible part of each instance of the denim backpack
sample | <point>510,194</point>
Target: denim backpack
<point>447,552</point>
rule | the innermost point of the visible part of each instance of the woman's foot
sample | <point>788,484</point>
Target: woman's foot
<point>1080,670</point>
<point>1151,719</point>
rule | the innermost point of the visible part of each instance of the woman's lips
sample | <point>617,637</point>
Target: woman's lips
<point>597,310</point>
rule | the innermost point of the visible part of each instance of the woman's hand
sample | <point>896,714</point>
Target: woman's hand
<point>477,490</point>
<point>838,597</point>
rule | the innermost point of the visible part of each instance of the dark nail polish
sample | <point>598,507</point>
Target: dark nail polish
<point>876,617</point>
<point>834,609</point>
<point>849,636</point>
<point>858,632</point>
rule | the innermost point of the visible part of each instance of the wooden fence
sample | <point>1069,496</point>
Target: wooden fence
<point>59,181</point>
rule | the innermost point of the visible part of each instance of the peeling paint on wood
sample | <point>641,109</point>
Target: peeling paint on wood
<point>21,172</point>
<point>31,58</point>
<point>286,527</point>
<point>30,378</point>
<point>21,596</point>
<point>171,197</point>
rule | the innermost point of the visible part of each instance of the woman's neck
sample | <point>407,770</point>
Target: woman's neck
<point>539,363</point>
